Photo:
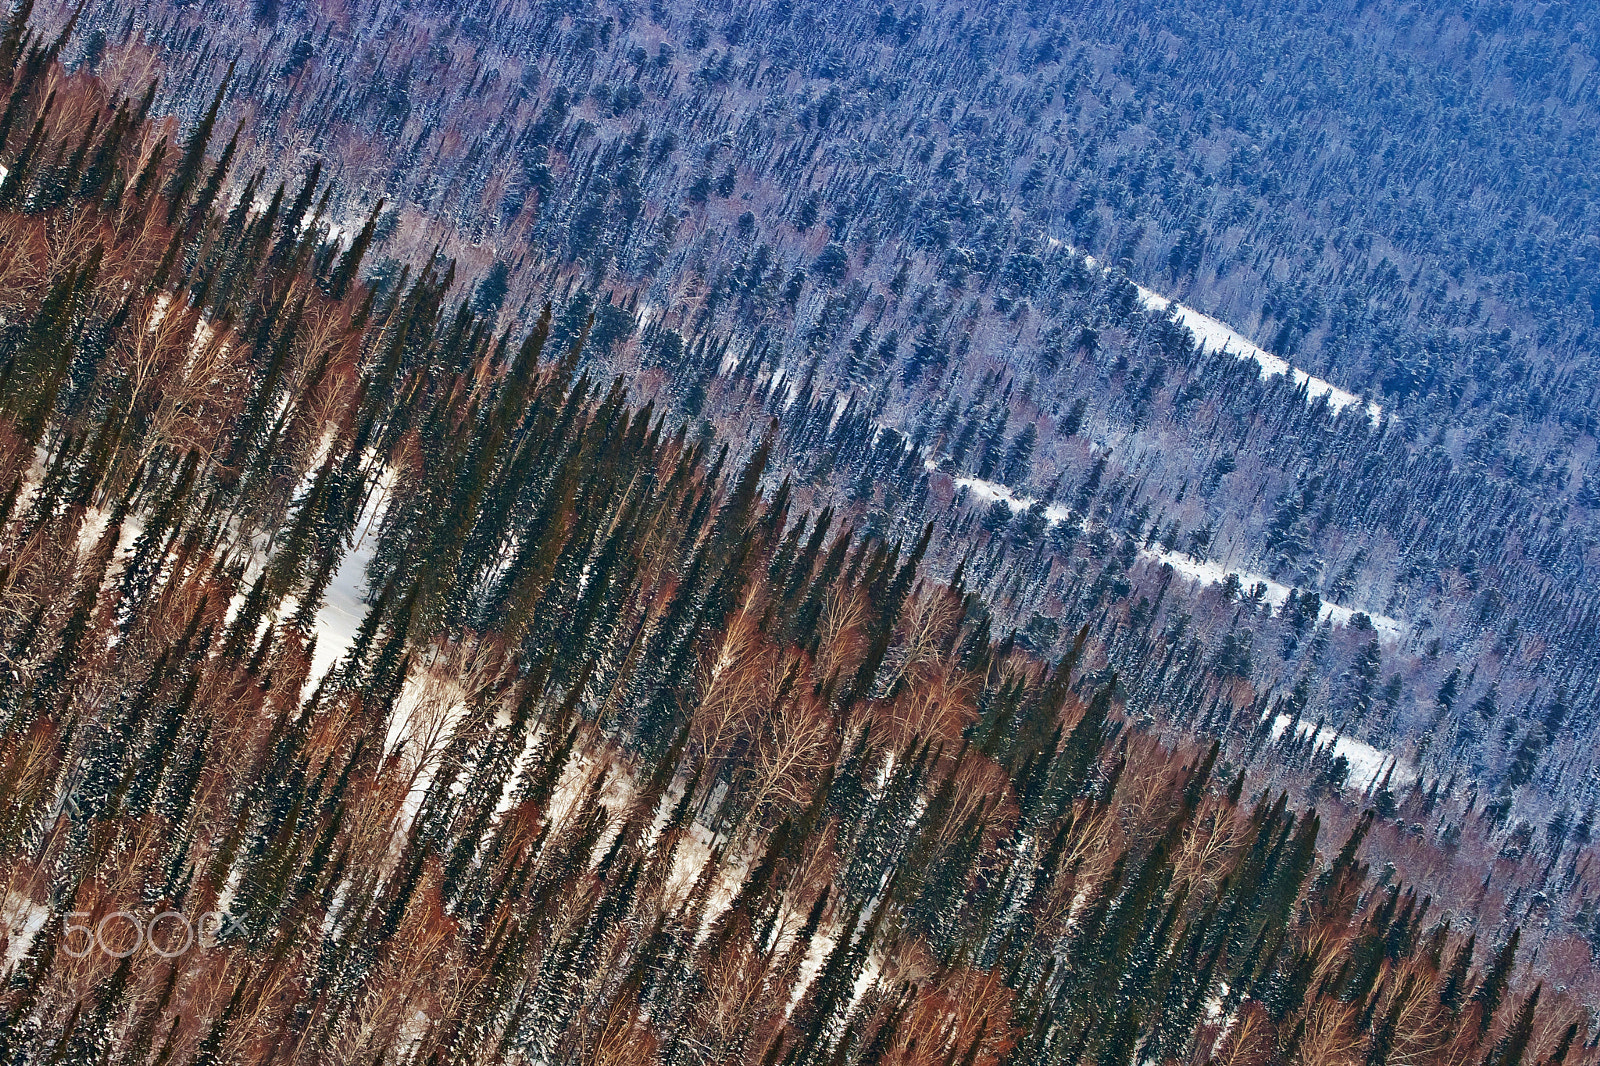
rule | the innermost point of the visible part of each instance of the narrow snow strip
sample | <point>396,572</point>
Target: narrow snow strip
<point>1204,572</point>
<point>1219,336</point>
<point>1211,573</point>
<point>1216,335</point>
<point>1367,763</point>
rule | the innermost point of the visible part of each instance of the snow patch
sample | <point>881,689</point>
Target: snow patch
<point>1215,335</point>
<point>341,612</point>
<point>1201,571</point>
<point>990,491</point>
<point>1367,763</point>
<point>22,919</point>
<point>344,602</point>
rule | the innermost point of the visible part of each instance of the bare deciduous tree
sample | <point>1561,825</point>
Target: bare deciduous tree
<point>183,379</point>
<point>967,1012</point>
<point>735,682</point>
<point>935,705</point>
<point>1330,1038</point>
<point>24,258</point>
<point>839,639</point>
<point>795,741</point>
<point>925,628</point>
<point>1208,847</point>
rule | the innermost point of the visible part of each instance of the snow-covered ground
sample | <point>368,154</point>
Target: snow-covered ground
<point>1215,335</point>
<point>1203,572</point>
<point>22,919</point>
<point>344,601</point>
<point>341,612</point>
<point>1367,763</point>
<point>1219,336</point>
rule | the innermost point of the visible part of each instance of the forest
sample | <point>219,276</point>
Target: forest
<point>609,536</point>
<point>935,239</point>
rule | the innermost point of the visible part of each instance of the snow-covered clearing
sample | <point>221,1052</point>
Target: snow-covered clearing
<point>1219,336</point>
<point>22,919</point>
<point>1367,763</point>
<point>1215,335</point>
<point>1203,572</point>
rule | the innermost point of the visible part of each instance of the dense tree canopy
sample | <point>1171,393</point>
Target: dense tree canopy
<point>510,607</point>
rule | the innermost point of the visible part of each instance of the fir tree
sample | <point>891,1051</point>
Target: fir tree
<point>194,154</point>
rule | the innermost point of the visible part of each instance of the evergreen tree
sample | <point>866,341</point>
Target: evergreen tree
<point>194,154</point>
<point>1486,997</point>
<point>350,263</point>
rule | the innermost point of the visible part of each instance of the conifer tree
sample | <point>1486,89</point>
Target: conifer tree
<point>11,40</point>
<point>194,154</point>
<point>351,262</point>
<point>1486,997</point>
<point>13,187</point>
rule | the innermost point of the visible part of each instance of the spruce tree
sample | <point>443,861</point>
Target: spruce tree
<point>1486,997</point>
<point>193,160</point>
<point>350,264</point>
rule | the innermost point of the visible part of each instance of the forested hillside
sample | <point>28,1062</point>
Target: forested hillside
<point>636,617</point>
<point>916,234</point>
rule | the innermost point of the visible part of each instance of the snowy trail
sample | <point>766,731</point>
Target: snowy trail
<point>1215,335</point>
<point>1367,763</point>
<point>1202,572</point>
<point>1212,573</point>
